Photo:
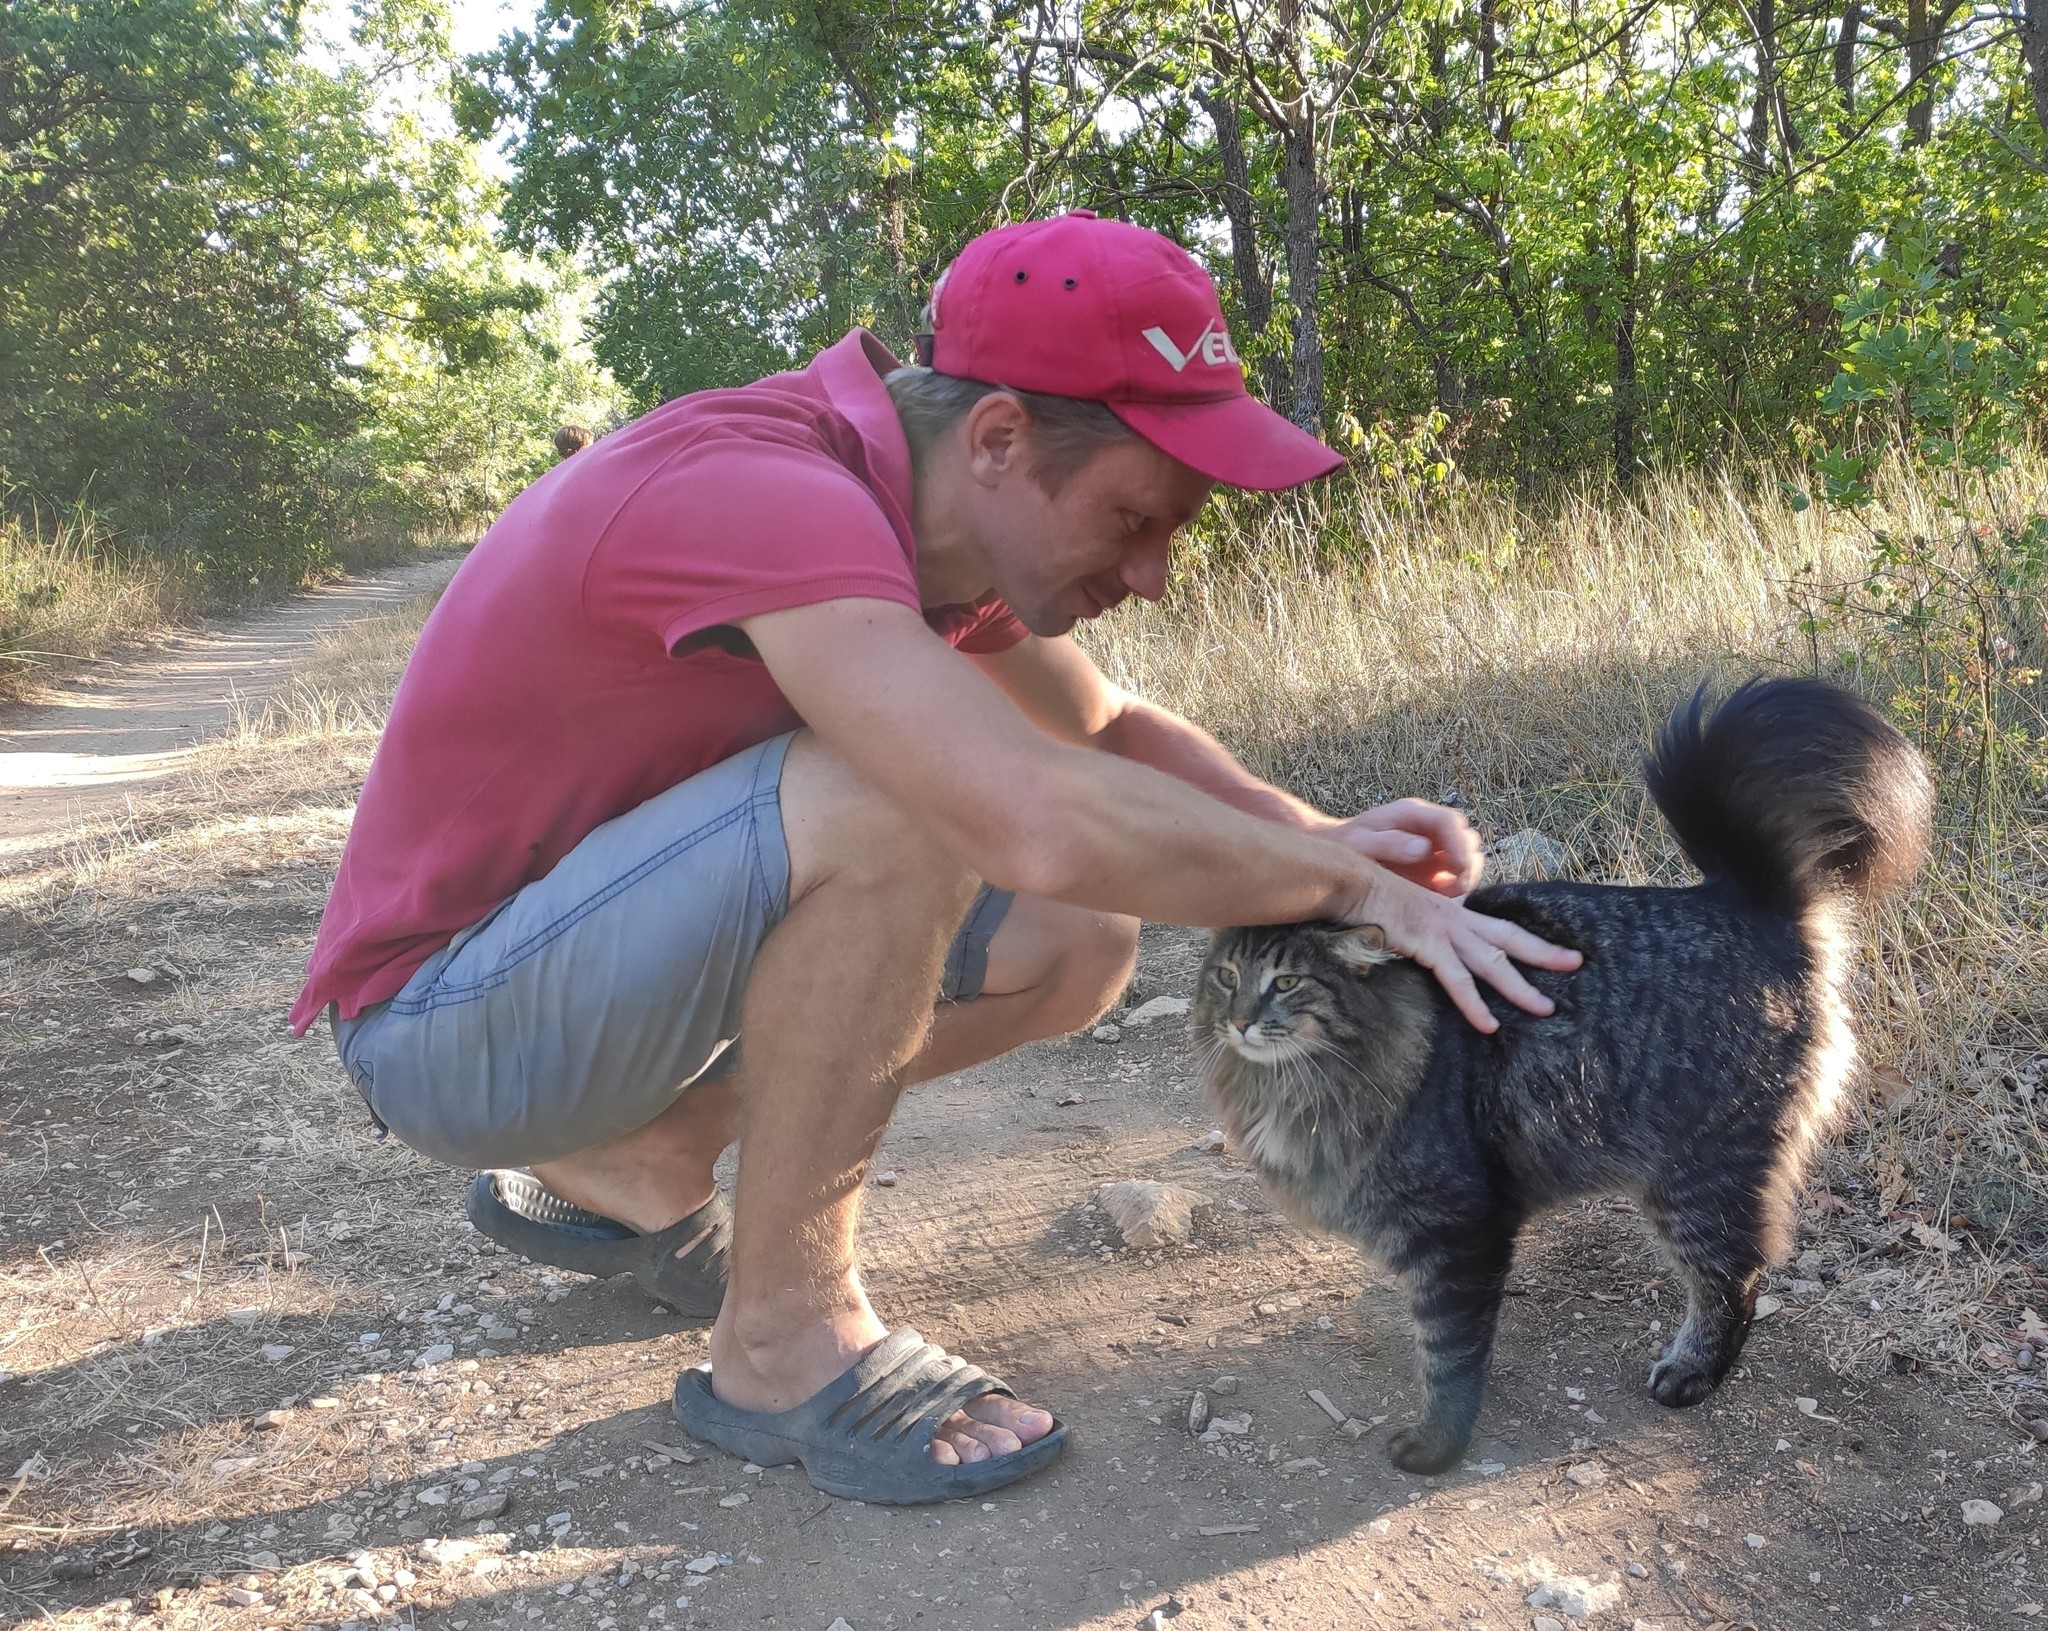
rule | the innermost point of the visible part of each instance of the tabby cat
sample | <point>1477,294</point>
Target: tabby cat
<point>1691,1062</point>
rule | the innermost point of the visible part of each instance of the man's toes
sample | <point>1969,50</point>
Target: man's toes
<point>1027,1423</point>
<point>996,1440</point>
<point>955,1445</point>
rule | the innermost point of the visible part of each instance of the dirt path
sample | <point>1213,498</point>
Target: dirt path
<point>111,730</point>
<point>255,1372</point>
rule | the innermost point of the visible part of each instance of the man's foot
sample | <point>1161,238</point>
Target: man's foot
<point>779,1372</point>
<point>657,1174</point>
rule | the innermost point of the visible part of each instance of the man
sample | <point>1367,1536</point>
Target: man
<point>755,730</point>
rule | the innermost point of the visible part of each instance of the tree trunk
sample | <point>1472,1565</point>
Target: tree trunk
<point>2033,25</point>
<point>1254,289</point>
<point>1303,190</point>
<point>1845,55</point>
<point>1922,41</point>
<point>1625,399</point>
<point>1764,17</point>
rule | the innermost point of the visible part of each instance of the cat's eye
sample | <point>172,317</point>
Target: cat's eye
<point>1286,982</point>
<point>1226,977</point>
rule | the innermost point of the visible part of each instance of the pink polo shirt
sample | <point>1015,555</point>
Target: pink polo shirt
<point>547,693</point>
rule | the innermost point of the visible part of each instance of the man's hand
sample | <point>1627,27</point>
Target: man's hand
<point>1425,843</point>
<point>1456,944</point>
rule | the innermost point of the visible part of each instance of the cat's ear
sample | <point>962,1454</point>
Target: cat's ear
<point>1362,948</point>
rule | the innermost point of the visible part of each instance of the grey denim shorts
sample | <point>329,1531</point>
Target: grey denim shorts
<point>585,1004</point>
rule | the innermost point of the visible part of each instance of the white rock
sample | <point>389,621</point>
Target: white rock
<point>243,1597</point>
<point>1150,1214</point>
<point>1543,1622</point>
<point>1198,1412</point>
<point>1767,1306</point>
<point>143,976</point>
<point>439,1353</point>
<point>1982,1514</point>
<point>1585,1474</point>
<point>1211,1142</point>
<point>1573,1595</point>
<point>738,1497</point>
<point>244,1317</point>
<point>704,1564</point>
<point>886,1180</point>
<point>1527,855</point>
<point>1157,1008</point>
<point>839,1625</point>
<point>1108,1035</point>
<point>1754,1542</point>
<point>278,1352</point>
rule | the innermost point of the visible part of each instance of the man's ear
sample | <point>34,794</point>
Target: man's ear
<point>998,432</point>
<point>1362,948</point>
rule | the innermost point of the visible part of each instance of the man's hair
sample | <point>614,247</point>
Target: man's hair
<point>572,439</point>
<point>1066,431</point>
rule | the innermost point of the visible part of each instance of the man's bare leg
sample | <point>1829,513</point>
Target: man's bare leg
<point>861,1028</point>
<point>1051,970</point>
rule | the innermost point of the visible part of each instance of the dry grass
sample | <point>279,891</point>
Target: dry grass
<point>69,596</point>
<point>65,599</point>
<point>1517,663</point>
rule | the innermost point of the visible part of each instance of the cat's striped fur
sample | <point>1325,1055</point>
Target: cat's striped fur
<point>1692,1061</point>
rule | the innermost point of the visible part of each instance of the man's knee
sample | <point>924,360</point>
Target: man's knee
<point>1077,961</point>
<point>1097,966</point>
<point>838,825</point>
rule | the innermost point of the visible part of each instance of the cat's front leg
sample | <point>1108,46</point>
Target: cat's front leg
<point>1456,1295</point>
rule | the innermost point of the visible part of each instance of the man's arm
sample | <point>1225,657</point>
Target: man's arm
<point>1031,812</point>
<point>1059,687</point>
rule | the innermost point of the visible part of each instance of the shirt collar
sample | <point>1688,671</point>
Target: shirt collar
<point>851,372</point>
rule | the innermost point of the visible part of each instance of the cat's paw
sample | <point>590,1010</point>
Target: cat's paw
<point>1418,1450</point>
<point>1677,1383</point>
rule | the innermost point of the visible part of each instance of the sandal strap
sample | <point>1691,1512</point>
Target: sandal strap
<point>906,1388</point>
<point>713,1222</point>
<point>526,1195</point>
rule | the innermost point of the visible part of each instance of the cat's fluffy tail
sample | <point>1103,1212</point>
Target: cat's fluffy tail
<point>1796,791</point>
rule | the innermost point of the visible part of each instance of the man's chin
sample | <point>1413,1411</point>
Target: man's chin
<point>1047,625</point>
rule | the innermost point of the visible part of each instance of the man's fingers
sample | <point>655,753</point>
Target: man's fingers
<point>1525,947</point>
<point>1456,980</point>
<point>1393,847</point>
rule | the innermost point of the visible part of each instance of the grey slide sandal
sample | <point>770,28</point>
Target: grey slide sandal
<point>868,1434</point>
<point>519,1212</point>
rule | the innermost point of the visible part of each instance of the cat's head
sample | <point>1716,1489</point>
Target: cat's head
<point>1275,993</point>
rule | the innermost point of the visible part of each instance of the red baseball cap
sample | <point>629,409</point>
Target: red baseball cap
<point>1082,307</point>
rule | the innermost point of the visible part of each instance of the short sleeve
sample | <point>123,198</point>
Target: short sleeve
<point>734,528</point>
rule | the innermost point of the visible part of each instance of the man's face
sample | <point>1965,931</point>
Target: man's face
<point>1105,536</point>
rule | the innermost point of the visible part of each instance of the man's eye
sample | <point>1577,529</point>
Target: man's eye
<point>1286,982</point>
<point>1227,978</point>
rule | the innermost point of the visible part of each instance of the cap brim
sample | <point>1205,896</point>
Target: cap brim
<point>1236,440</point>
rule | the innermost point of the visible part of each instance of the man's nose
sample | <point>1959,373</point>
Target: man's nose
<point>1144,570</point>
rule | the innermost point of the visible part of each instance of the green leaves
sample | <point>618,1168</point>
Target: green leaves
<point>240,293</point>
